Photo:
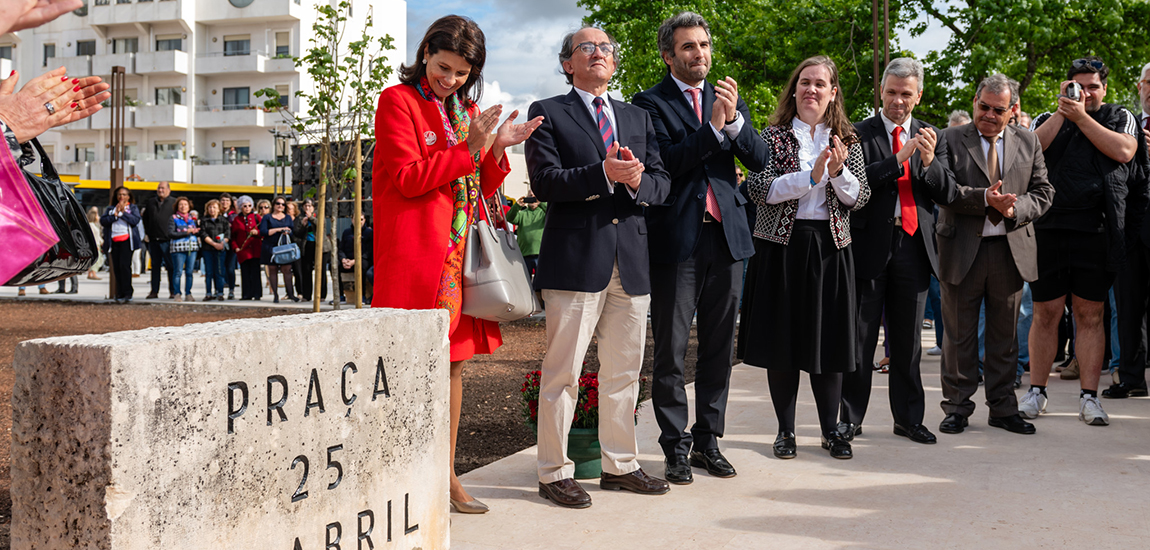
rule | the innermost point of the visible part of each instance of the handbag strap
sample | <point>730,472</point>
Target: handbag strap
<point>46,167</point>
<point>283,238</point>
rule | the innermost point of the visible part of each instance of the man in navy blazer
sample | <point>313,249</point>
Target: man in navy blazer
<point>894,249</point>
<point>699,238</point>
<point>595,161</point>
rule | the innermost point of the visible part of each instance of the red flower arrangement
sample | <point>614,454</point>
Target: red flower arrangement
<point>586,407</point>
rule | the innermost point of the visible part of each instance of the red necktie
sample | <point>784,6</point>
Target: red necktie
<point>712,202</point>
<point>905,197</point>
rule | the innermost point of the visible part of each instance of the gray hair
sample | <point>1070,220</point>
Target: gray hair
<point>244,199</point>
<point>1145,69</point>
<point>958,118</point>
<point>681,20</point>
<point>998,83</point>
<point>903,67</point>
<point>568,49</point>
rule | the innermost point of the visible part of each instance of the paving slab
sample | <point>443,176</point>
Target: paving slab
<point>1069,485</point>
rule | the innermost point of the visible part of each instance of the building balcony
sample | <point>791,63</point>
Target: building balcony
<point>218,116</point>
<point>216,173</point>
<point>162,63</point>
<point>280,65</point>
<point>219,11</point>
<point>78,169</point>
<point>80,125</point>
<point>77,65</point>
<point>218,63</point>
<point>102,64</point>
<point>113,13</point>
<point>102,169</point>
<point>163,170</point>
<point>102,120</point>
<point>161,116</point>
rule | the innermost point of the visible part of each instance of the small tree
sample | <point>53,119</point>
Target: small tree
<point>351,75</point>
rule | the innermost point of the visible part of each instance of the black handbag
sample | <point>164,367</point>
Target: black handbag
<point>75,252</point>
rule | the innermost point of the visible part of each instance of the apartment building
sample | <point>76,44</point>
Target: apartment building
<point>192,68</point>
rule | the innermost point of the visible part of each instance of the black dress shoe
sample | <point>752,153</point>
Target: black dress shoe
<point>565,492</point>
<point>1013,423</point>
<point>954,423</point>
<point>837,445</point>
<point>1123,390</point>
<point>1017,381</point>
<point>678,470</point>
<point>849,430</point>
<point>785,445</point>
<point>917,433</point>
<point>714,461</point>
<point>636,482</point>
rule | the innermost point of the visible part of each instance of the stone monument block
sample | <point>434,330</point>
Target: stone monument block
<point>323,431</point>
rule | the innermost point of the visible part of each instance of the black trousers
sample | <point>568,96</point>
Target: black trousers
<point>158,250</point>
<point>901,291</point>
<point>251,285</point>
<point>1132,294</point>
<point>307,272</point>
<point>709,282</point>
<point>121,260</point>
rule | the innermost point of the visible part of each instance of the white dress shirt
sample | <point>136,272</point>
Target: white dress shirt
<point>890,126</point>
<point>990,229</point>
<point>797,185</point>
<point>731,129</point>
<point>589,100</point>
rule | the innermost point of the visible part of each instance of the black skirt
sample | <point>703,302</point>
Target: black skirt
<point>799,309</point>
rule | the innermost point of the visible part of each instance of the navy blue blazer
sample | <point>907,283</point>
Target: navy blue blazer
<point>693,156</point>
<point>588,227</point>
<point>130,216</point>
<point>873,224</point>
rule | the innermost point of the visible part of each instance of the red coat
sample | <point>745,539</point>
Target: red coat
<point>246,245</point>
<point>412,200</point>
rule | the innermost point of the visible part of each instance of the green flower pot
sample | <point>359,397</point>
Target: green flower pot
<point>583,449</point>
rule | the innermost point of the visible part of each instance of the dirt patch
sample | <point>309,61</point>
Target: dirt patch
<point>491,426</point>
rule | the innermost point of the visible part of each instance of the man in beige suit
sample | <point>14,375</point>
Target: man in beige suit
<point>986,250</point>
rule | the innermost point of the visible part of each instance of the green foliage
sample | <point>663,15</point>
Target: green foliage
<point>1034,42</point>
<point>756,42</point>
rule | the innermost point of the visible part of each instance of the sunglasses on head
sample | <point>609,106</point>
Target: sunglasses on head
<point>1000,111</point>
<point>1088,63</point>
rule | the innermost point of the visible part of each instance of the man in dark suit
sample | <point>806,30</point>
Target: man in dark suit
<point>1132,287</point>
<point>894,251</point>
<point>595,161</point>
<point>698,240</point>
<point>986,250</point>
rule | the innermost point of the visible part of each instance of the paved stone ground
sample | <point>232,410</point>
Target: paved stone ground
<point>1070,485</point>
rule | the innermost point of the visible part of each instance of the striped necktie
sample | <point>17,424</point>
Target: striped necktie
<point>712,203</point>
<point>604,124</point>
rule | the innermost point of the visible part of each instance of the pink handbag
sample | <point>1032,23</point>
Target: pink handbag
<point>25,232</point>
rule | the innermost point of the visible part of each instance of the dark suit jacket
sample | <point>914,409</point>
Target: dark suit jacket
<point>693,156</point>
<point>588,226</point>
<point>960,223</point>
<point>872,226</point>
<point>1138,201</point>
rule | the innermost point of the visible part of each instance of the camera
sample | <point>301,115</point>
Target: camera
<point>530,200</point>
<point>1074,91</point>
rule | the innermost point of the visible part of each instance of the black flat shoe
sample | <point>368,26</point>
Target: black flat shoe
<point>1123,390</point>
<point>1013,423</point>
<point>837,445</point>
<point>917,433</point>
<point>849,430</point>
<point>678,470</point>
<point>784,446</point>
<point>714,461</point>
<point>954,423</point>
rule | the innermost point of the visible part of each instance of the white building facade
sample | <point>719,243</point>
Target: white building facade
<point>192,68</point>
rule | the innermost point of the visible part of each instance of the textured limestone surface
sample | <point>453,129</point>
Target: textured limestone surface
<point>318,431</point>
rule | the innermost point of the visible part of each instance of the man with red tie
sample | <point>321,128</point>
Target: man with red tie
<point>894,249</point>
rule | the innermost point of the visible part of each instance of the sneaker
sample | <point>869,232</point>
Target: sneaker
<point>934,351</point>
<point>1090,411</point>
<point>177,298</point>
<point>20,292</point>
<point>1071,371</point>
<point>189,298</point>
<point>1032,403</point>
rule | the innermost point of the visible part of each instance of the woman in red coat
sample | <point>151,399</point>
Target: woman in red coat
<point>247,242</point>
<point>430,169</point>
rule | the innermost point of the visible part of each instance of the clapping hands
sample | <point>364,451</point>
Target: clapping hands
<point>622,166</point>
<point>507,135</point>
<point>1004,203</point>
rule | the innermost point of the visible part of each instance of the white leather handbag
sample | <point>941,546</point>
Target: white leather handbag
<point>496,282</point>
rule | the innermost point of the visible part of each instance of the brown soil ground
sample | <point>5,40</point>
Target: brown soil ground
<point>491,426</point>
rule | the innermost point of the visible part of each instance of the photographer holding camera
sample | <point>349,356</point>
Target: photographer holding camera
<point>1088,147</point>
<point>528,214</point>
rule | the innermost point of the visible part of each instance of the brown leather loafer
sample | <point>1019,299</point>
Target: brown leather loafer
<point>636,482</point>
<point>565,492</point>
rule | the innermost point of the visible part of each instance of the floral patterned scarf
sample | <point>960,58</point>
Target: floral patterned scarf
<point>465,190</point>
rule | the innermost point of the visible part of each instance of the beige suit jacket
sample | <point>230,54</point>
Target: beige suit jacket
<point>959,228</point>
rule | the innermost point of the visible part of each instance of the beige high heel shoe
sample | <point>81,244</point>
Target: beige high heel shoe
<point>471,507</point>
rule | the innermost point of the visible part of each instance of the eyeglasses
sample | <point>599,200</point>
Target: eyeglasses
<point>1000,111</point>
<point>1088,63</point>
<point>278,203</point>
<point>588,48</point>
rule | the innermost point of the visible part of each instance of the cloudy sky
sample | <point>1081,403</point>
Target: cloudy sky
<point>523,39</point>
